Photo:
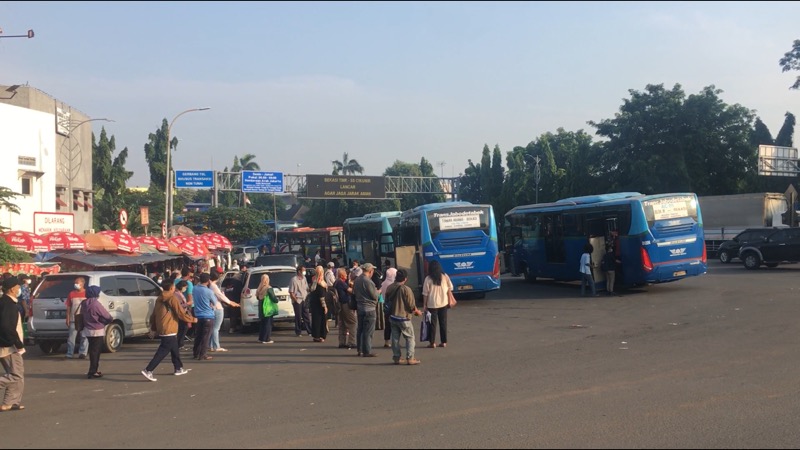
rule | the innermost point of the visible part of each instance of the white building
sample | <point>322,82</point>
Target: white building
<point>46,155</point>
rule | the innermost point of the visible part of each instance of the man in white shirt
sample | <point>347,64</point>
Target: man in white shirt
<point>586,270</point>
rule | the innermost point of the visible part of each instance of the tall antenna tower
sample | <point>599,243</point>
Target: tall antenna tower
<point>441,165</point>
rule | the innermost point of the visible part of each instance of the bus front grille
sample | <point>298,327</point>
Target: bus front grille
<point>676,229</point>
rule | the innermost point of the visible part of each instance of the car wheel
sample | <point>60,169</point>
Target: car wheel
<point>113,338</point>
<point>751,261</point>
<point>48,347</point>
<point>771,265</point>
<point>724,256</point>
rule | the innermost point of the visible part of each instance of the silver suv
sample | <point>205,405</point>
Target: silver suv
<point>280,277</point>
<point>129,298</point>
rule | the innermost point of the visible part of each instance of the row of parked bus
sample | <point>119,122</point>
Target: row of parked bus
<point>657,238</point>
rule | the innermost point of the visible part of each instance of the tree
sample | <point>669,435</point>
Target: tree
<point>761,134</point>
<point>109,178</point>
<point>9,254</point>
<point>237,224</point>
<point>786,133</point>
<point>661,141</point>
<point>155,153</point>
<point>6,195</point>
<point>247,162</point>
<point>791,61</point>
<point>347,166</point>
<point>404,169</point>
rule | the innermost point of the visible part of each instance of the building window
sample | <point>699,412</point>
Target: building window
<point>27,186</point>
<point>86,202</point>
<point>60,203</point>
<point>76,200</point>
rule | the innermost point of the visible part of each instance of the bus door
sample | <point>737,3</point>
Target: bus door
<point>554,238</point>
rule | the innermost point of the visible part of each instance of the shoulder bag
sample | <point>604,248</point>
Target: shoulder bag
<point>451,299</point>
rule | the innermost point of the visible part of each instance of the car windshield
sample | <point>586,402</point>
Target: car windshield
<point>56,287</point>
<point>277,278</point>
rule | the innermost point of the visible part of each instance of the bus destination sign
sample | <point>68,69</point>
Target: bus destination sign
<point>345,187</point>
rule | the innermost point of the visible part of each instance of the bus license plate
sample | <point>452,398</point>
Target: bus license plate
<point>465,287</point>
<point>680,273</point>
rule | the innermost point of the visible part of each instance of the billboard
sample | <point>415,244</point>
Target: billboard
<point>48,222</point>
<point>195,179</point>
<point>262,182</point>
<point>345,187</point>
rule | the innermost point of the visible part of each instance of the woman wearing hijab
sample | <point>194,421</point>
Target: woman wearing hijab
<point>391,274</point>
<point>319,309</point>
<point>95,319</point>
<point>267,309</point>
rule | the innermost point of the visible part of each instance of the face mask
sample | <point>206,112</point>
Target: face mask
<point>160,281</point>
<point>27,281</point>
<point>77,286</point>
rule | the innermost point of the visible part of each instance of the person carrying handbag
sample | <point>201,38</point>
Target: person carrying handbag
<point>267,309</point>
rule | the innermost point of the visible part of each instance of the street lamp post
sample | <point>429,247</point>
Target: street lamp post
<point>168,190</point>
<point>70,171</point>
<point>537,175</point>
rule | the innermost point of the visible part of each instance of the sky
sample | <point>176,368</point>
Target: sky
<point>298,84</point>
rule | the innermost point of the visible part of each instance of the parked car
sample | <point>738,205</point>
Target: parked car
<point>280,259</point>
<point>780,246</point>
<point>729,249</point>
<point>280,279</point>
<point>247,254</point>
<point>129,298</point>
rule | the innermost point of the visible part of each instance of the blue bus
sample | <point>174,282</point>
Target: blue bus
<point>460,235</point>
<point>657,238</point>
<point>370,238</point>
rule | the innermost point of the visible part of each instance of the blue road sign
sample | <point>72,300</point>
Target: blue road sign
<point>262,182</point>
<point>194,179</point>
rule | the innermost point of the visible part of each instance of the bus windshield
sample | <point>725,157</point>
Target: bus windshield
<point>458,219</point>
<point>666,208</point>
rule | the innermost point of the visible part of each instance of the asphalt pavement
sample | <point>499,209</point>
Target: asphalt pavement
<point>710,361</point>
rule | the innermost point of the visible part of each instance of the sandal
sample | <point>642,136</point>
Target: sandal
<point>11,407</point>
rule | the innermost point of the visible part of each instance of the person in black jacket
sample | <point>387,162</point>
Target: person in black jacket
<point>11,347</point>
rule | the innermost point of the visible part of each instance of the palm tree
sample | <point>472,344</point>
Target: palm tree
<point>347,166</point>
<point>247,162</point>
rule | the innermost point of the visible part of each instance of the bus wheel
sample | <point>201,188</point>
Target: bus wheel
<point>751,261</point>
<point>529,277</point>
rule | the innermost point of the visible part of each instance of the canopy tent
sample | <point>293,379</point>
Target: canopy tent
<point>106,261</point>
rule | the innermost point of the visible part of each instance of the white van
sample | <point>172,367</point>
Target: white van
<point>129,298</point>
<point>280,277</point>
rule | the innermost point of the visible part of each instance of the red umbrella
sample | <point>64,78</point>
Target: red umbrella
<point>160,244</point>
<point>64,240</point>
<point>124,241</point>
<point>25,241</point>
<point>217,240</point>
<point>208,241</point>
<point>193,248</point>
<point>178,240</point>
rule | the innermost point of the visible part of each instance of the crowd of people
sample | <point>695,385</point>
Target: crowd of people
<point>189,307</point>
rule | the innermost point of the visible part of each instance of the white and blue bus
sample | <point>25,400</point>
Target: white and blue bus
<point>657,238</point>
<point>460,235</point>
<point>370,238</point>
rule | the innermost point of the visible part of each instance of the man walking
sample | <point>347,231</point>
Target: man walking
<point>164,321</point>
<point>367,300</point>
<point>11,347</point>
<point>204,301</point>
<point>403,306</point>
<point>298,291</point>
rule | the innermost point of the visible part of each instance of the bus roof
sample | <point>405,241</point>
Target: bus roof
<point>442,205</point>
<point>372,217</point>
<point>585,201</point>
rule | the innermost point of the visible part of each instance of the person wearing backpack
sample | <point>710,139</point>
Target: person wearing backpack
<point>267,309</point>
<point>167,314</point>
<point>401,306</point>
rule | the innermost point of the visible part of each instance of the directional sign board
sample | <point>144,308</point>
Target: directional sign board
<point>194,179</point>
<point>262,182</point>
